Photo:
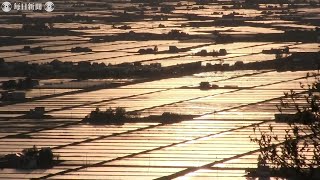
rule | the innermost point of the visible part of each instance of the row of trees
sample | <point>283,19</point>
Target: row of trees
<point>26,83</point>
<point>30,158</point>
<point>119,115</point>
<point>109,116</point>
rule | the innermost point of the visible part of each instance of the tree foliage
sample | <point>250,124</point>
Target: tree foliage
<point>296,151</point>
<point>109,116</point>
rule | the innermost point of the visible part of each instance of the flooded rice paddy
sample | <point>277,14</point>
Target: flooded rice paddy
<point>200,148</point>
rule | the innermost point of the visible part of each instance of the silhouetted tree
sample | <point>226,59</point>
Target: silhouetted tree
<point>120,113</point>
<point>297,153</point>
<point>45,157</point>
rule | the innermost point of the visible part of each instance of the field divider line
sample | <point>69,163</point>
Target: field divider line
<point>93,52</point>
<point>146,151</point>
<point>222,94</point>
<point>56,45</point>
<point>25,133</point>
<point>209,165</point>
<point>90,89</point>
<point>162,90</point>
<point>173,144</point>
<point>74,123</point>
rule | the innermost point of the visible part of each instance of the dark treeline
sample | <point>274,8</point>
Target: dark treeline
<point>87,70</point>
